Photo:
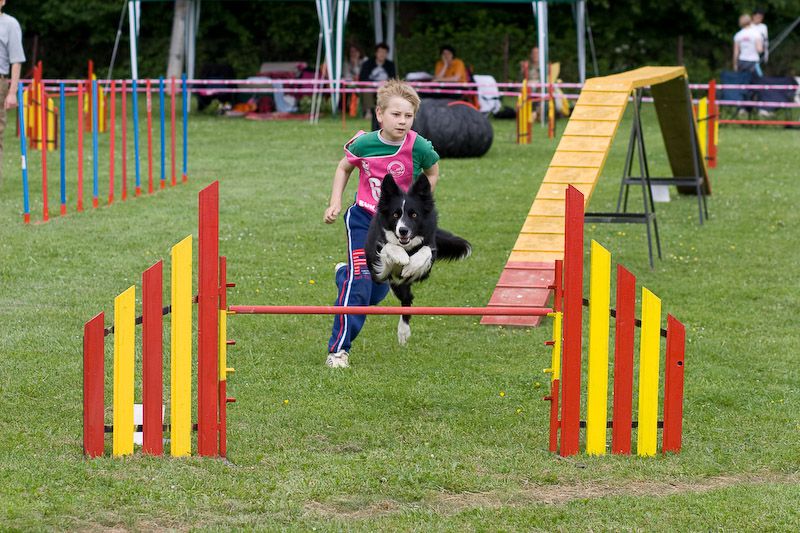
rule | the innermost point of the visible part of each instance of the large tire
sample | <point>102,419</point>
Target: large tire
<point>456,129</point>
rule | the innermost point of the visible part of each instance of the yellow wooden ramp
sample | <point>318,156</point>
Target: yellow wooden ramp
<point>578,161</point>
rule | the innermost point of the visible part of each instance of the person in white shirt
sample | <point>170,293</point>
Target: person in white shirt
<point>747,47</point>
<point>11,58</point>
<point>758,23</point>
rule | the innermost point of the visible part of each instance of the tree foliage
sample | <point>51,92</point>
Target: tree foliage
<point>627,33</point>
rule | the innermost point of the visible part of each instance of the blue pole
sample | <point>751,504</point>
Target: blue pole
<point>63,123</point>
<point>185,123</point>
<point>163,149</point>
<point>96,102</point>
<point>23,147</point>
<point>135,94</point>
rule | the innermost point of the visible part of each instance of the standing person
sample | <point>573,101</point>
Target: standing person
<point>378,68</point>
<point>449,67</point>
<point>758,23</point>
<point>11,58</point>
<point>747,47</point>
<point>395,148</point>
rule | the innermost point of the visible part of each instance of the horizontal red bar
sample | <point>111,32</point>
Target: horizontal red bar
<point>371,310</point>
<point>761,122</point>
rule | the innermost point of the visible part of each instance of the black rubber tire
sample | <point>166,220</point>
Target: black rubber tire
<point>455,129</point>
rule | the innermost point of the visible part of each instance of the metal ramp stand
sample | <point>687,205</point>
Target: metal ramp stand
<point>648,216</point>
<point>694,184</point>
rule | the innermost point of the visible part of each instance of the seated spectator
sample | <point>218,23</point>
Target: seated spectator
<point>530,67</point>
<point>355,60</point>
<point>378,68</point>
<point>449,67</point>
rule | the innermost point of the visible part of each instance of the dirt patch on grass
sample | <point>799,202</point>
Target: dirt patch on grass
<point>451,503</point>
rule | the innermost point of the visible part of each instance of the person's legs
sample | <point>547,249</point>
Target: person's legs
<point>750,67</point>
<point>3,118</point>
<point>354,282</point>
<point>368,104</point>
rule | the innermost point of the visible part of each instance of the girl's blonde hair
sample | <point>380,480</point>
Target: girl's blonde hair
<point>393,88</point>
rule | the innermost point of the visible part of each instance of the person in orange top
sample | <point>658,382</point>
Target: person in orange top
<point>449,67</point>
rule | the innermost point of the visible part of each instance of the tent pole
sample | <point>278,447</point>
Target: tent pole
<point>133,24</point>
<point>541,30</point>
<point>390,26</point>
<point>581,31</point>
<point>378,21</point>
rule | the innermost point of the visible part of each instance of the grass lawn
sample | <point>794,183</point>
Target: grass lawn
<point>414,438</point>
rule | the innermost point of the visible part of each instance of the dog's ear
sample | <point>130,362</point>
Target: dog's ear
<point>389,186</point>
<point>422,190</point>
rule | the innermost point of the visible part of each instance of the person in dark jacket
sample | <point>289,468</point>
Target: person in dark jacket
<point>377,68</point>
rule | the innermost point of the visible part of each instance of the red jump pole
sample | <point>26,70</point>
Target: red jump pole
<point>80,146</point>
<point>573,324</point>
<point>172,129</point>
<point>673,386</point>
<point>207,322</point>
<point>152,360</point>
<point>111,139</point>
<point>380,310</point>
<point>625,324</point>
<point>93,383</point>
<point>149,139</point>
<point>43,146</point>
<point>713,116</point>
<point>124,125</point>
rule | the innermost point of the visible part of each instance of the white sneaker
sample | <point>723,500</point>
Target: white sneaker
<point>339,359</point>
<point>337,267</point>
<point>742,113</point>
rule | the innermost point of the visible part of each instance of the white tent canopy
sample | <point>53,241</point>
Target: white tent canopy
<point>332,15</point>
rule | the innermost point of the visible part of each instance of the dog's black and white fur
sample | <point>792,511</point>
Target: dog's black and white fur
<point>404,241</point>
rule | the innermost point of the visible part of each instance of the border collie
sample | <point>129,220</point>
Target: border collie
<point>403,241</point>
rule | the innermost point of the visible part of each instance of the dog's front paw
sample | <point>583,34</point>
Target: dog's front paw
<point>394,255</point>
<point>418,265</point>
<point>403,332</point>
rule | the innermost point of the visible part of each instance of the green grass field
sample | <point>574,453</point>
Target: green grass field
<point>415,438</point>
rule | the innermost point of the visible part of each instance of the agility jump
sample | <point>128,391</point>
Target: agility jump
<point>91,117</point>
<point>212,342</point>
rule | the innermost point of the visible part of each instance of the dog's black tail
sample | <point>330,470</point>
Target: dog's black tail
<point>450,247</point>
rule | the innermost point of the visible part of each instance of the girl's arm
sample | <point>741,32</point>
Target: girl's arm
<point>340,178</point>
<point>433,174</point>
<point>735,55</point>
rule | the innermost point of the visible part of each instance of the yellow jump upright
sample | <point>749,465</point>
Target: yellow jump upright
<point>124,335</point>
<point>181,348</point>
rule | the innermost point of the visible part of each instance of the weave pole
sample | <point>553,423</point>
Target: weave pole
<point>81,126</point>
<point>63,148</point>
<point>43,146</point>
<point>149,105</point>
<point>173,180</point>
<point>23,148</point>
<point>163,148</point>
<point>185,110</point>
<point>124,127</point>
<point>95,128</point>
<point>135,103</point>
<point>112,140</point>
